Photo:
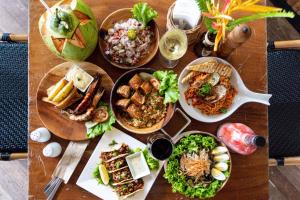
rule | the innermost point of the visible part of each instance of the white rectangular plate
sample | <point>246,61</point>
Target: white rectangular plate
<point>86,180</point>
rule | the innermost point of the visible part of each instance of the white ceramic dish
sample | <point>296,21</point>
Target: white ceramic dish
<point>244,95</point>
<point>87,182</point>
<point>137,165</point>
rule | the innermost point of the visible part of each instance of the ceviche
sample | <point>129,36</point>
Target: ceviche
<point>128,41</point>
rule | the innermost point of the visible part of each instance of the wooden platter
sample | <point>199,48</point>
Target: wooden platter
<point>52,118</point>
<point>124,14</point>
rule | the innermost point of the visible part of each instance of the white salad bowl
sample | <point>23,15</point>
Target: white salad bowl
<point>244,95</point>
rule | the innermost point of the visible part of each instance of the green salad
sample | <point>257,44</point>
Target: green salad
<point>196,149</point>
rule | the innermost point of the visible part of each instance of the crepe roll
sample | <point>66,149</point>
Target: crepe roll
<point>110,155</point>
<point>129,189</point>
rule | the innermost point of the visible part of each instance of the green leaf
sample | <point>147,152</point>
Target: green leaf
<point>152,163</point>
<point>143,13</point>
<point>168,85</point>
<point>258,16</point>
<point>202,4</point>
<point>205,90</point>
<point>96,175</point>
<point>100,128</point>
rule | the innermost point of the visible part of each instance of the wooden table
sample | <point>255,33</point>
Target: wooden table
<point>249,179</point>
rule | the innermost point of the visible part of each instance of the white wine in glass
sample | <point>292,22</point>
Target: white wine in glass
<point>172,47</point>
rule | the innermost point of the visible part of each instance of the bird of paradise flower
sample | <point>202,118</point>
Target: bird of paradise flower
<point>219,19</point>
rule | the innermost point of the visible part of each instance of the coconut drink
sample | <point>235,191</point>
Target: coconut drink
<point>69,29</point>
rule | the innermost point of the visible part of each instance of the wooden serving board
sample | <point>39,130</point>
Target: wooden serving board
<point>52,118</point>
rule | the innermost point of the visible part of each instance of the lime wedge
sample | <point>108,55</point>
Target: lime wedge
<point>104,174</point>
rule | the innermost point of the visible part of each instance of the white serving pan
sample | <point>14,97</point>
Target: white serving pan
<point>244,95</point>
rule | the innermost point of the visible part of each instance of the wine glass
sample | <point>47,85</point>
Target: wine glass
<point>172,46</point>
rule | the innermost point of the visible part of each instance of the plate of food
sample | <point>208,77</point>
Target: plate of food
<point>143,100</point>
<point>108,173</point>
<point>129,37</point>
<point>72,101</point>
<point>200,165</point>
<point>211,90</point>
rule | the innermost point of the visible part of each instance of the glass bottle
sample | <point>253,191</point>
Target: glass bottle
<point>240,138</point>
<point>206,45</point>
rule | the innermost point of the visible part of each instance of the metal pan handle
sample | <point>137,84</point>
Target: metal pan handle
<point>182,128</point>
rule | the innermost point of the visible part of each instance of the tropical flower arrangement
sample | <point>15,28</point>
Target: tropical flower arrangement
<point>220,19</point>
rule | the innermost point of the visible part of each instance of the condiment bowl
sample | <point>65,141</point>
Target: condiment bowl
<point>124,14</point>
<point>114,97</point>
<point>244,95</point>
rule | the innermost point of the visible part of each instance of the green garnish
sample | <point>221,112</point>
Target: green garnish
<point>118,164</point>
<point>100,128</point>
<point>152,163</point>
<point>223,110</point>
<point>61,22</point>
<point>180,182</point>
<point>131,34</point>
<point>96,175</point>
<point>205,90</point>
<point>168,85</point>
<point>113,142</point>
<point>143,13</point>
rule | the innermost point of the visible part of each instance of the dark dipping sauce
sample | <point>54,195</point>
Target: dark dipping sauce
<point>161,148</point>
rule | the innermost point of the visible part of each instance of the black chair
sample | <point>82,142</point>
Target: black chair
<point>13,96</point>
<point>284,112</point>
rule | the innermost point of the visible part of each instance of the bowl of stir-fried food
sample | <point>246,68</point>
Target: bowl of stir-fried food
<point>200,165</point>
<point>139,103</point>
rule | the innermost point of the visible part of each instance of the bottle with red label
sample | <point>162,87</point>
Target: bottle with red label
<point>240,138</point>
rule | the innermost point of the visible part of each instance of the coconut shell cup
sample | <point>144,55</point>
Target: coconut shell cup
<point>124,14</point>
<point>80,41</point>
<point>114,97</point>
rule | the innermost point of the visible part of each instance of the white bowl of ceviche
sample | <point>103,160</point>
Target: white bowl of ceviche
<point>126,42</point>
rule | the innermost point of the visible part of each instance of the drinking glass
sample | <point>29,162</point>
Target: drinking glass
<point>160,146</point>
<point>172,46</point>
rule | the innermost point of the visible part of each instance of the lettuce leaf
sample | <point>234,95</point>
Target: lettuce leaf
<point>143,13</point>
<point>96,175</point>
<point>100,128</point>
<point>168,85</point>
<point>152,163</point>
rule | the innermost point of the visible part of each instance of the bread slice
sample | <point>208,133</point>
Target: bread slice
<point>210,67</point>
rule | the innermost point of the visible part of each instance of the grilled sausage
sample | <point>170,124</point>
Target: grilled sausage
<point>87,100</point>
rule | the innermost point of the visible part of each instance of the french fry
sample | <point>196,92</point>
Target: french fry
<point>58,87</point>
<point>63,93</point>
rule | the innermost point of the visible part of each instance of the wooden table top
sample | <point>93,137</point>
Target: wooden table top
<point>249,178</point>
